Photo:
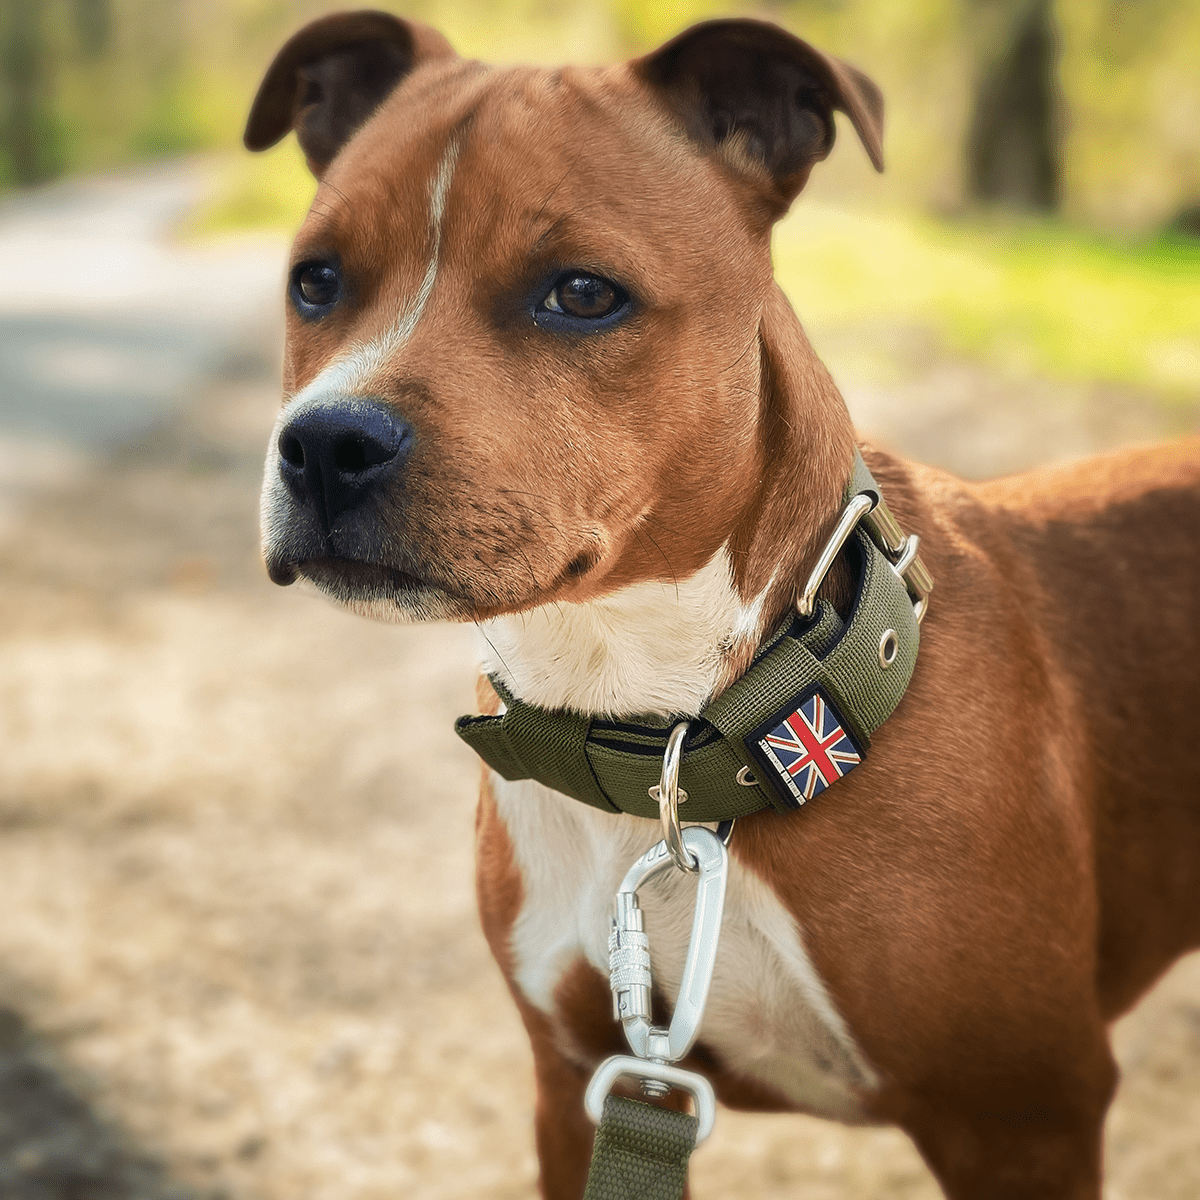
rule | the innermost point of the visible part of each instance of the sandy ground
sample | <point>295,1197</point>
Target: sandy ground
<point>238,948</point>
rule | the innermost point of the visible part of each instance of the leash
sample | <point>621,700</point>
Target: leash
<point>799,719</point>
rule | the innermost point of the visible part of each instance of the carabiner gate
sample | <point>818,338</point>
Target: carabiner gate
<point>629,948</point>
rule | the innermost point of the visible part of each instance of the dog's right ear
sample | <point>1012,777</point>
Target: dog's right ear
<point>763,101</point>
<point>330,77</point>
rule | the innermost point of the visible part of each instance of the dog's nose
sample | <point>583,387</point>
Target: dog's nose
<point>332,455</point>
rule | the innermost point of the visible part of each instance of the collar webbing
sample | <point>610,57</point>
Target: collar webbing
<point>612,764</point>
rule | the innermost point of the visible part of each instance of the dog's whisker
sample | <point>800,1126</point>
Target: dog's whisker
<point>492,646</point>
<point>640,533</point>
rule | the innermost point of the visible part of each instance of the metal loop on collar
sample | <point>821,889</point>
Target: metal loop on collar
<point>851,515</point>
<point>670,796</point>
<point>900,549</point>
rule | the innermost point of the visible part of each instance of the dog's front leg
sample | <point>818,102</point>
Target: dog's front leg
<point>563,1132</point>
<point>1039,1155</point>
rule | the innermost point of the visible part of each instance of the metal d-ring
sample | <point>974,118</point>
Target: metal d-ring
<point>670,796</point>
<point>854,512</point>
<point>664,1074</point>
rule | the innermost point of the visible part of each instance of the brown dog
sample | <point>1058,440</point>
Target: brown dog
<point>539,377</point>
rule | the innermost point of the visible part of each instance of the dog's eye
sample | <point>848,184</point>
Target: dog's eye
<point>588,297</point>
<point>315,286</point>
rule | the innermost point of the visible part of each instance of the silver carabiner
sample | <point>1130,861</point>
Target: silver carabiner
<point>629,948</point>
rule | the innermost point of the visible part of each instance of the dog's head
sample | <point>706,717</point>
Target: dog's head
<point>525,354</point>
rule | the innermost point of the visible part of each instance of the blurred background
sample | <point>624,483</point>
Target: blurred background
<point>238,947</point>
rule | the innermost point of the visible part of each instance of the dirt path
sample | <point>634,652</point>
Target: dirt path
<point>239,954</point>
<point>109,325</point>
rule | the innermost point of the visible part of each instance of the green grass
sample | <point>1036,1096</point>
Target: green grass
<point>1035,297</point>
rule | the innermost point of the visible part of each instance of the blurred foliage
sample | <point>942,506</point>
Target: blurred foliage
<point>91,83</point>
<point>95,83</point>
<point>1014,140</point>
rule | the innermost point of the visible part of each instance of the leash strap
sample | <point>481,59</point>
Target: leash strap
<point>641,1152</point>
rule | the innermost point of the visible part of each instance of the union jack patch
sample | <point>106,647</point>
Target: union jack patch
<point>805,748</point>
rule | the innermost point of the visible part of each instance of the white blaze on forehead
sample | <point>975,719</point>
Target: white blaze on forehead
<point>363,361</point>
<point>351,371</point>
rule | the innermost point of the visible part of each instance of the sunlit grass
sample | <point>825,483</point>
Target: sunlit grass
<point>1030,297</point>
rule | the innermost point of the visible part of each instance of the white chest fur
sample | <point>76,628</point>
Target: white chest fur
<point>655,647</point>
<point>768,1017</point>
<point>659,648</point>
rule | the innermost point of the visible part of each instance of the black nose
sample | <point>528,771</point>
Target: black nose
<point>333,455</point>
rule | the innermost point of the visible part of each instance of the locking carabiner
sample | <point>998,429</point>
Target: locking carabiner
<point>629,948</point>
<point>629,977</point>
<point>694,850</point>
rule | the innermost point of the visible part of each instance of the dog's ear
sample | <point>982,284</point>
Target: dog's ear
<point>330,77</point>
<point>763,98</point>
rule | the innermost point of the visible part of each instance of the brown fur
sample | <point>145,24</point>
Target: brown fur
<point>1017,859</point>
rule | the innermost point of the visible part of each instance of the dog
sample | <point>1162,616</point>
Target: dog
<point>539,377</point>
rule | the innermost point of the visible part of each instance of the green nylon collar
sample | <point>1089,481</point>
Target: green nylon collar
<point>613,764</point>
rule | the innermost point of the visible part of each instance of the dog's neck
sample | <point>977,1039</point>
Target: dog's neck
<point>657,647</point>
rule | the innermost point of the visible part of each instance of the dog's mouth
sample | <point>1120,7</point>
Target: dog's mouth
<point>358,576</point>
<point>368,586</point>
<point>418,587</point>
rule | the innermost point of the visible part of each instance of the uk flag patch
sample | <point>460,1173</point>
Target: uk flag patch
<point>806,748</point>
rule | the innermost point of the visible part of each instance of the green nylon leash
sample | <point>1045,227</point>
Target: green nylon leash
<point>641,1152</point>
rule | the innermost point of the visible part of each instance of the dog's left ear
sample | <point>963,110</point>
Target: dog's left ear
<point>763,99</point>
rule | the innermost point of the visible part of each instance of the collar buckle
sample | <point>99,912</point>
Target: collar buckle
<point>854,512</point>
<point>901,551</point>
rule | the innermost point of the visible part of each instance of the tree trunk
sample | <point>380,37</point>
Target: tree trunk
<point>23,61</point>
<point>1015,135</point>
